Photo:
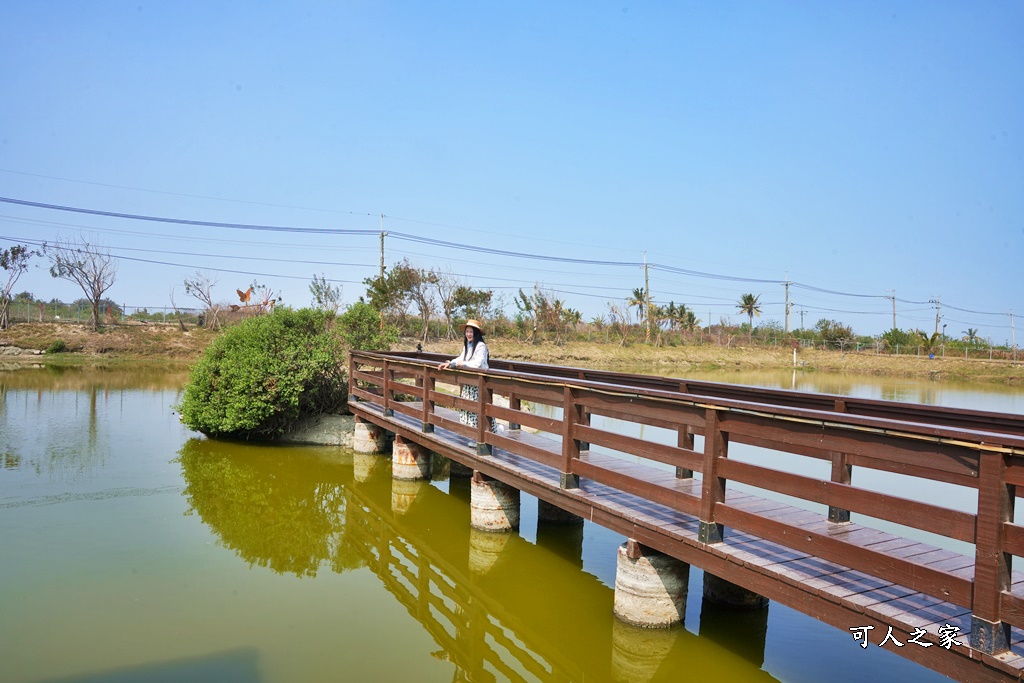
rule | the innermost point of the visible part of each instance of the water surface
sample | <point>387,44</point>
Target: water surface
<point>134,550</point>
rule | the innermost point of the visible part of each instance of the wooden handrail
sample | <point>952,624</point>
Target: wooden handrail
<point>909,440</point>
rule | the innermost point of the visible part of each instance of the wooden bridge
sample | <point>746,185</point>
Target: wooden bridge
<point>817,543</point>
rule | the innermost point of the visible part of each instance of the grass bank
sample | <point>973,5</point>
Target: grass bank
<point>168,345</point>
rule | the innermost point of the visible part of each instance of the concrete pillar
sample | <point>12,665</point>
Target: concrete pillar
<point>368,437</point>
<point>743,631</point>
<point>549,512</point>
<point>403,494</point>
<point>409,460</point>
<point>637,653</point>
<point>650,587</point>
<point>493,506</point>
<point>457,469</point>
<point>560,531</point>
<point>721,592</point>
<point>485,550</point>
<point>459,488</point>
<point>365,465</point>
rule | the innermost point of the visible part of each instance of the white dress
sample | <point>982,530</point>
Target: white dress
<point>477,358</point>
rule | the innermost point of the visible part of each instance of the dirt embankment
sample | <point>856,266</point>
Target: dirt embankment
<point>130,341</point>
<point>167,343</point>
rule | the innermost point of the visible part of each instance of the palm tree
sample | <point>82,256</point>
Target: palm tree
<point>971,335</point>
<point>639,302</point>
<point>750,305</point>
<point>928,341</point>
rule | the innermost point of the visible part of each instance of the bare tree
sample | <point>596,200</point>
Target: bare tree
<point>420,292</point>
<point>620,318</point>
<point>177,313</point>
<point>89,266</point>
<point>325,295</point>
<point>447,285</point>
<point>15,261</point>
<point>201,287</point>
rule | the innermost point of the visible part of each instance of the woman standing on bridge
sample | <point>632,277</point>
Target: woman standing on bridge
<point>474,355</point>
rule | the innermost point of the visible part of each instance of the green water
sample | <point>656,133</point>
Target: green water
<point>133,550</point>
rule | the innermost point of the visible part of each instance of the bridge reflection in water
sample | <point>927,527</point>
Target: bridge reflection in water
<point>501,609</point>
<point>498,606</point>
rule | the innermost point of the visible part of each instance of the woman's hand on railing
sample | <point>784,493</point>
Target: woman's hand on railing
<point>445,365</point>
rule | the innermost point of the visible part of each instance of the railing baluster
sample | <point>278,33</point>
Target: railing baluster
<point>570,446</point>
<point>352,378</point>
<point>989,633</point>
<point>716,446</point>
<point>842,473</point>
<point>514,403</point>
<point>685,440</point>
<point>429,384</point>
<point>387,377</point>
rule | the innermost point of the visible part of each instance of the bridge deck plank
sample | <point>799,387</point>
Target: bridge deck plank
<point>854,590</point>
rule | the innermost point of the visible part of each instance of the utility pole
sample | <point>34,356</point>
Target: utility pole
<point>1013,337</point>
<point>788,305</point>
<point>893,298</point>
<point>535,313</point>
<point>646,294</point>
<point>802,311</point>
<point>382,234</point>
<point>647,298</point>
<point>938,312</point>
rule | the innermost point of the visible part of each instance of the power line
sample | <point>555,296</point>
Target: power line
<point>450,245</point>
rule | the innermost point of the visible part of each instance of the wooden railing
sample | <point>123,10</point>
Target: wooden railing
<point>977,450</point>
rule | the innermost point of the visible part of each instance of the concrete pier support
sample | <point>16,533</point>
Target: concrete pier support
<point>650,587</point>
<point>368,437</point>
<point>458,470</point>
<point>485,550</point>
<point>404,493</point>
<point>409,460</point>
<point>366,465</point>
<point>494,506</point>
<point>560,531</point>
<point>743,631</point>
<point>548,512</point>
<point>721,592</point>
<point>637,653</point>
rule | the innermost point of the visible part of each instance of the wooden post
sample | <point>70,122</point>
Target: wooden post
<point>570,446</point>
<point>583,418</point>
<point>351,378</point>
<point>387,377</point>
<point>716,446</point>
<point>484,396</point>
<point>989,633</point>
<point>842,473</point>
<point>685,440</point>
<point>429,384</point>
<point>514,403</point>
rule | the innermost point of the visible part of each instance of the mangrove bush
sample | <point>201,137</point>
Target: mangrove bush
<point>257,378</point>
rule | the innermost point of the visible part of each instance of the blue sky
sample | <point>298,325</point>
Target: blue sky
<point>856,148</point>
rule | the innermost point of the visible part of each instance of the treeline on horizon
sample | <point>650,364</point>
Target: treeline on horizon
<point>417,302</point>
<point>538,317</point>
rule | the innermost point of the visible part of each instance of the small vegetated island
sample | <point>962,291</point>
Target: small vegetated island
<point>260,377</point>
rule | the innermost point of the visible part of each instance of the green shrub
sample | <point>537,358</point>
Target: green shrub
<point>260,376</point>
<point>360,328</point>
<point>57,347</point>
